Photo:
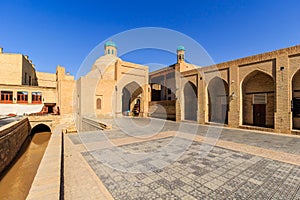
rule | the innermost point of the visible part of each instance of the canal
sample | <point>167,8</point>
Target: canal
<point>16,182</point>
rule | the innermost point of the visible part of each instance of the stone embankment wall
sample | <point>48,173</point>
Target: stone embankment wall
<point>12,137</point>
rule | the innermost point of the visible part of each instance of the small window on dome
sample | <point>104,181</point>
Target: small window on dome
<point>108,51</point>
<point>112,52</point>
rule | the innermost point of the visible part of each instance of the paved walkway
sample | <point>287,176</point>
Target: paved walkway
<point>6,120</point>
<point>131,162</point>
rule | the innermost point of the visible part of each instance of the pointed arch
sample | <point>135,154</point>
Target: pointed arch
<point>296,100</point>
<point>190,101</point>
<point>218,91</point>
<point>131,94</point>
<point>258,99</point>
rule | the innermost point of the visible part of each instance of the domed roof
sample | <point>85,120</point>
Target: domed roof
<point>110,43</point>
<point>180,47</point>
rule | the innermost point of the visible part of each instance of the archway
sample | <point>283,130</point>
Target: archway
<point>39,128</point>
<point>258,99</point>
<point>190,101</point>
<point>296,100</point>
<point>131,95</point>
<point>218,100</point>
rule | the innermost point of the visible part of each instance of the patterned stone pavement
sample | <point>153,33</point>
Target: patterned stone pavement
<point>221,174</point>
<point>253,138</point>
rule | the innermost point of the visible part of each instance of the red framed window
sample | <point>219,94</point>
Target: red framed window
<point>6,97</point>
<point>36,97</point>
<point>22,97</point>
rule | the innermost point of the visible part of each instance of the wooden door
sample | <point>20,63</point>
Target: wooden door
<point>259,114</point>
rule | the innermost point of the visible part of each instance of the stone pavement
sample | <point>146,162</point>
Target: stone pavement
<point>240,164</point>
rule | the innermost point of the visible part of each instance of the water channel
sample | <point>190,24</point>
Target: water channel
<point>16,182</point>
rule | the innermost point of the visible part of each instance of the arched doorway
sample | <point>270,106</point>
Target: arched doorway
<point>218,100</point>
<point>190,101</point>
<point>258,99</point>
<point>125,100</point>
<point>296,100</point>
<point>39,128</point>
<point>131,95</point>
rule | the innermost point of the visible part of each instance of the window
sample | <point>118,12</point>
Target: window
<point>259,98</point>
<point>99,104</point>
<point>108,51</point>
<point>29,80</point>
<point>25,78</point>
<point>6,97</point>
<point>36,97</point>
<point>112,51</point>
<point>22,97</point>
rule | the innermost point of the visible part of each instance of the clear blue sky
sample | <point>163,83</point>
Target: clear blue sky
<point>64,32</point>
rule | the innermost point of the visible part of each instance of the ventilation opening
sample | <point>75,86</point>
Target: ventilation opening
<point>260,98</point>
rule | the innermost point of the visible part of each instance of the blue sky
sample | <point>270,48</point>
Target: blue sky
<point>64,32</point>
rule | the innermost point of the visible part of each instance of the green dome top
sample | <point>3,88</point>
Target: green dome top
<point>180,47</point>
<point>110,43</point>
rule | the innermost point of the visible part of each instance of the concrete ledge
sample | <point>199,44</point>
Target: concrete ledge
<point>96,123</point>
<point>46,184</point>
<point>257,128</point>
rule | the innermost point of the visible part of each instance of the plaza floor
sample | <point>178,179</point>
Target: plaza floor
<point>180,161</point>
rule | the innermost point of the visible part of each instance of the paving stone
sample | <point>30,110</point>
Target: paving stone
<point>222,174</point>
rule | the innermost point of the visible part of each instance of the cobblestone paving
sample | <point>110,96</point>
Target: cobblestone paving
<point>222,174</point>
<point>267,141</point>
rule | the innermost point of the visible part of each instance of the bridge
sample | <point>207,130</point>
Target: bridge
<point>49,122</point>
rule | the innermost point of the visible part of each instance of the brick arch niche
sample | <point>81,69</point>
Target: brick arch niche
<point>131,102</point>
<point>296,100</point>
<point>218,91</point>
<point>190,101</point>
<point>258,90</point>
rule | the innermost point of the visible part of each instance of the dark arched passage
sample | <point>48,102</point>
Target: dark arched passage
<point>131,94</point>
<point>218,100</point>
<point>39,128</point>
<point>190,101</point>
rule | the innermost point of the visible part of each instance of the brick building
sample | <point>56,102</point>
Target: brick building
<point>24,90</point>
<point>255,92</point>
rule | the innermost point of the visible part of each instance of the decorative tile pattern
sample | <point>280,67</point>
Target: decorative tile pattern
<point>222,174</point>
<point>252,138</point>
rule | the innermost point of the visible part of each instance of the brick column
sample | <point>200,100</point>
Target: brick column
<point>234,114</point>
<point>282,119</point>
<point>178,92</point>
<point>201,100</point>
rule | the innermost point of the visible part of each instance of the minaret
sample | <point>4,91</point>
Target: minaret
<point>110,48</point>
<point>180,54</point>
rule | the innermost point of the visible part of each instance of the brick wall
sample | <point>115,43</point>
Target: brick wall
<point>163,109</point>
<point>12,137</point>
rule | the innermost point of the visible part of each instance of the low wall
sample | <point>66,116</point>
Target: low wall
<point>89,124</point>
<point>12,137</point>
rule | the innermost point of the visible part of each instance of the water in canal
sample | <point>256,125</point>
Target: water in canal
<point>16,183</point>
